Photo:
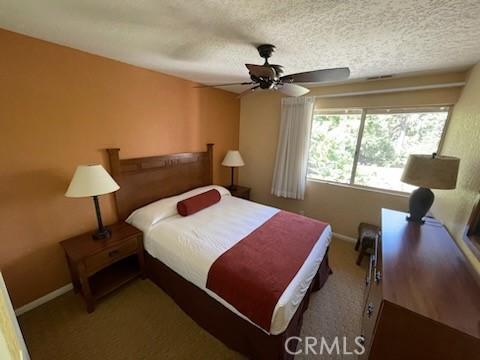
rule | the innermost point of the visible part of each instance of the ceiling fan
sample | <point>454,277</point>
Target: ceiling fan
<point>269,76</point>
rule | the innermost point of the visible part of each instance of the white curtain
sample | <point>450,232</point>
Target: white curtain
<point>289,176</point>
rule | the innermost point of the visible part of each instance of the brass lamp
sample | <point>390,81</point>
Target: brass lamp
<point>428,172</point>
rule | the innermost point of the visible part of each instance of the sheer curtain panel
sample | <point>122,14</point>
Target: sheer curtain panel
<point>289,176</point>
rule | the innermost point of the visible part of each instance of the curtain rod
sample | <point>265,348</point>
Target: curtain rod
<point>393,90</point>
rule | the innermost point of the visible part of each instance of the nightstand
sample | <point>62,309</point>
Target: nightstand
<point>98,267</point>
<point>240,192</point>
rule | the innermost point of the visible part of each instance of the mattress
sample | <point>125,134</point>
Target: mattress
<point>189,246</point>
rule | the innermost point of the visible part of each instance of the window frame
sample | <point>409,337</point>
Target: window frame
<point>365,111</point>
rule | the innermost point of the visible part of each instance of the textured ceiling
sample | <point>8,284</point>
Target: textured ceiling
<point>209,41</point>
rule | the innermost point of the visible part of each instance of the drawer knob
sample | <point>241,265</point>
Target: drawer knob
<point>370,308</point>
<point>113,253</point>
<point>361,340</point>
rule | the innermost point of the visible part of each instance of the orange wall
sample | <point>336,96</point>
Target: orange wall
<point>60,107</point>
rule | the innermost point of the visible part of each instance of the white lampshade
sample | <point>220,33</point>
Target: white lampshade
<point>233,159</point>
<point>433,172</point>
<point>91,180</point>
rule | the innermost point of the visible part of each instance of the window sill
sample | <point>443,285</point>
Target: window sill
<point>362,188</point>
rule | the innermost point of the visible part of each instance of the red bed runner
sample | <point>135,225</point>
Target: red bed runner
<point>254,273</point>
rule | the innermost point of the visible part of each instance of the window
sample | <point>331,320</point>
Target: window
<point>370,147</point>
<point>332,145</point>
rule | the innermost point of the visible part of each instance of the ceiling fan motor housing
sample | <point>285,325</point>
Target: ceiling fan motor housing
<point>265,83</point>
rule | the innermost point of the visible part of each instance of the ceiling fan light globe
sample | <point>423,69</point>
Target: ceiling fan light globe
<point>293,90</point>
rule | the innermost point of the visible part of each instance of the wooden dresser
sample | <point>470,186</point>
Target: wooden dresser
<point>422,300</point>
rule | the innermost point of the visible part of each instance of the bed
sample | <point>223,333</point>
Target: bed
<point>180,250</point>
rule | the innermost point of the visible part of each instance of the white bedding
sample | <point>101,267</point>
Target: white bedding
<point>189,246</point>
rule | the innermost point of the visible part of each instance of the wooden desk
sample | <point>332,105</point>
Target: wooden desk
<point>423,300</point>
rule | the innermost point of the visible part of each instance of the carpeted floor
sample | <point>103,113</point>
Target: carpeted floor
<point>139,321</point>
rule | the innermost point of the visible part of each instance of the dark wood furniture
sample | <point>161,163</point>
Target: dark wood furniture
<point>367,234</point>
<point>147,179</point>
<point>144,180</point>
<point>240,192</point>
<point>472,231</point>
<point>98,267</point>
<point>423,300</point>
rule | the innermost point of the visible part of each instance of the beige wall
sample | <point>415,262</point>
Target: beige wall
<point>60,107</point>
<point>463,140</point>
<point>342,206</point>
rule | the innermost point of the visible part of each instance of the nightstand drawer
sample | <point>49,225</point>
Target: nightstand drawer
<point>110,255</point>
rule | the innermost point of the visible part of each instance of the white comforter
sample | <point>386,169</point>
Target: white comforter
<point>189,246</point>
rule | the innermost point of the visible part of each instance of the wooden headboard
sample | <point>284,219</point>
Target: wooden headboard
<point>147,179</point>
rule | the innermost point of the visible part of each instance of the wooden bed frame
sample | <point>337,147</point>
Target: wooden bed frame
<point>147,179</point>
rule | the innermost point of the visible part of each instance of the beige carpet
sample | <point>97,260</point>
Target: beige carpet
<point>139,321</point>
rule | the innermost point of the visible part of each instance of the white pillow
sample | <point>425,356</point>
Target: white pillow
<point>147,216</point>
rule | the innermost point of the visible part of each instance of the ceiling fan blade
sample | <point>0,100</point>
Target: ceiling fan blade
<point>229,84</point>
<point>324,75</point>
<point>246,92</point>
<point>278,69</point>
<point>293,89</point>
<point>261,71</point>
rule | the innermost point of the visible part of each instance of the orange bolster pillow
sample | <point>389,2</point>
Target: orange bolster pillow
<point>198,202</point>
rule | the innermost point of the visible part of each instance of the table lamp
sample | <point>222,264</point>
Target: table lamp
<point>93,180</point>
<point>233,159</point>
<point>428,172</point>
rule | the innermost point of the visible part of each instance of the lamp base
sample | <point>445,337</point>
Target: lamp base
<point>232,186</point>
<point>102,234</point>
<point>417,221</point>
<point>420,202</point>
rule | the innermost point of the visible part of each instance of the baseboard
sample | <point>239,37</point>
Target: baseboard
<point>42,300</point>
<point>344,237</point>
